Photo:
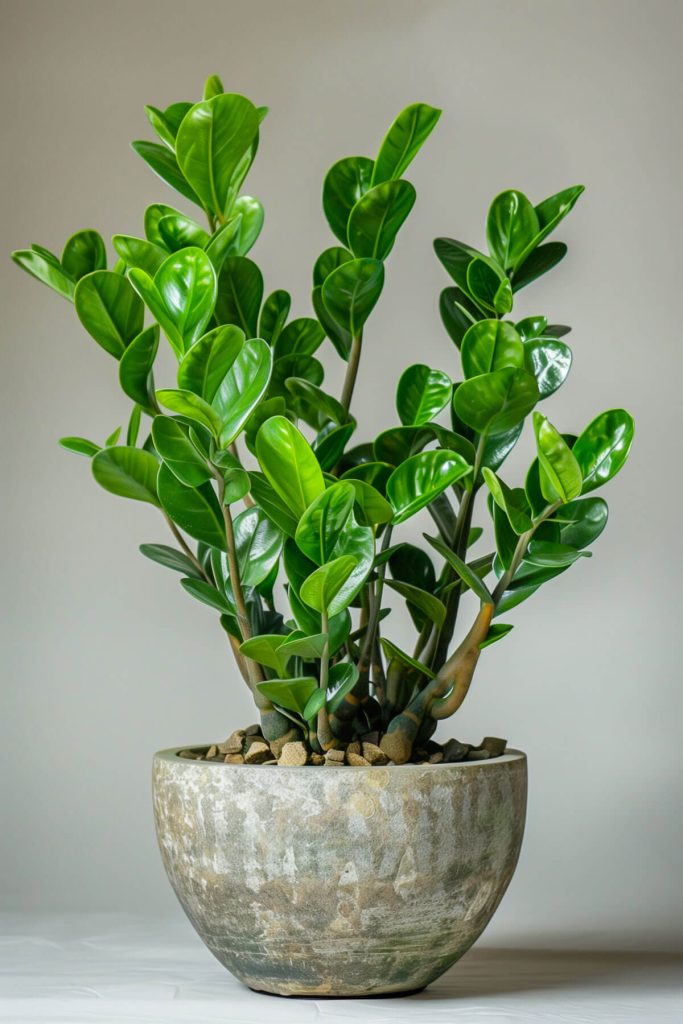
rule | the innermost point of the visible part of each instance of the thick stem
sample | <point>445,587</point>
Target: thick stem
<point>351,372</point>
<point>375,609</point>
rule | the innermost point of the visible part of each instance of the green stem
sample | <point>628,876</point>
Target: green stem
<point>351,372</point>
<point>520,551</point>
<point>325,656</point>
<point>187,549</point>
<point>375,608</point>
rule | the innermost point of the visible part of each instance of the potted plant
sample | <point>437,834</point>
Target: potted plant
<point>286,520</point>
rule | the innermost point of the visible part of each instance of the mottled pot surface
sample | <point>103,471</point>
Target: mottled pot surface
<point>339,881</point>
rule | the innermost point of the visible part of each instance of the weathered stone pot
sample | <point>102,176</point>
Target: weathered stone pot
<point>339,881</point>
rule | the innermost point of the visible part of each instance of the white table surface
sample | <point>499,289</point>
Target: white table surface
<point>122,970</point>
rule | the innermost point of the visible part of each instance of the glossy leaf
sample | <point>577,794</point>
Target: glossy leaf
<point>345,182</point>
<point>531,327</point>
<point>550,361</point>
<point>80,446</point>
<point>351,292</point>
<point>496,632</point>
<point>164,163</point>
<point>240,291</point>
<point>153,215</point>
<point>395,445</point>
<point>537,263</point>
<point>511,502</point>
<point>342,679</point>
<point>242,388</point>
<point>128,472</point>
<point>84,253</point>
<point>497,447</point>
<point>45,267</point>
<point>172,441</point>
<point>549,213</point>
<point>191,406</point>
<point>166,122</point>
<point>179,231</point>
<point>491,345</point>
<point>289,464</point>
<point>560,472</point>
<point>433,609</point>
<point>212,139</point>
<point>136,369</point>
<point>404,140</point>
<point>419,479</point>
<point>375,509</point>
<point>489,286</point>
<point>208,595</point>
<point>421,394</point>
<point>339,336</point>
<point>511,226</point>
<point>299,645</point>
<point>392,652</point>
<point>301,336</point>
<point>323,521</point>
<point>171,558</point>
<point>265,649</point>
<point>109,310</point>
<point>544,553</point>
<point>183,295</point>
<point>203,368</point>
<point>457,313</point>
<point>377,217</point>
<point>496,402</point>
<point>581,521</point>
<point>319,408</point>
<point>258,543</point>
<point>329,260</point>
<point>464,571</point>
<point>273,316</point>
<point>322,589</point>
<point>251,216</point>
<point>212,87</point>
<point>292,694</point>
<point>137,252</point>
<point>603,447</point>
<point>194,509</point>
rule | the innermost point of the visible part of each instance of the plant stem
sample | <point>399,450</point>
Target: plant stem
<point>375,608</point>
<point>186,548</point>
<point>325,656</point>
<point>520,551</point>
<point>351,372</point>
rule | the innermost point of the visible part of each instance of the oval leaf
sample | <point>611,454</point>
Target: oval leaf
<point>128,472</point>
<point>419,479</point>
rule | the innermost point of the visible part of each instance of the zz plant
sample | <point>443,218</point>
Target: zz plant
<point>258,471</point>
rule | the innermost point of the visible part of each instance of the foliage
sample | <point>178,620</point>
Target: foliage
<point>258,470</point>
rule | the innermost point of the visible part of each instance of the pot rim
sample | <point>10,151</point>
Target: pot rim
<point>510,756</point>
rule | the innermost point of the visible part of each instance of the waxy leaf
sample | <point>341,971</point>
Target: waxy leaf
<point>545,553</point>
<point>299,645</point>
<point>464,571</point>
<point>83,253</point>
<point>203,368</point>
<point>80,446</point>
<point>289,464</point>
<point>251,215</point>
<point>167,122</point>
<point>581,521</point>
<point>135,369</point>
<point>223,243</point>
<point>164,163</point>
<point>421,394</point>
<point>265,649</point>
<point>208,595</point>
<point>404,140</point>
<point>550,361</point>
<point>496,402</point>
<point>512,502</point>
<point>128,472</point>
<point>292,694</point>
<point>322,590</point>
<point>170,558</point>
<point>560,472</point>
<point>179,232</point>
<point>511,227</point>
<point>538,262</point>
<point>301,336</point>
<point>603,447</point>
<point>430,606</point>
<point>240,291</point>
<point>181,297</point>
<point>192,407</point>
<point>137,252</point>
<point>491,345</point>
<point>377,217</point>
<point>374,508</point>
<point>258,543</point>
<point>339,336</point>
<point>531,327</point>
<point>109,310</point>
<point>328,261</point>
<point>419,479</point>
<point>274,314</point>
<point>345,182</point>
<point>242,388</point>
<point>549,213</point>
<point>172,441</point>
<point>323,521</point>
<point>194,509</point>
<point>392,652</point>
<point>267,498</point>
<point>212,140</point>
<point>153,215</point>
<point>342,678</point>
<point>457,313</point>
<point>351,291</point>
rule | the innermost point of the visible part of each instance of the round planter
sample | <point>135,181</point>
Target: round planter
<point>323,881</point>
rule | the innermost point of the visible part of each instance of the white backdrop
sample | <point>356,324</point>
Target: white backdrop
<point>106,659</point>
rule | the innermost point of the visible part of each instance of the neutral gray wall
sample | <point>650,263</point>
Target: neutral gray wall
<point>106,659</point>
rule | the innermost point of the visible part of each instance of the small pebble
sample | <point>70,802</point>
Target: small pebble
<point>494,744</point>
<point>233,744</point>
<point>294,755</point>
<point>212,751</point>
<point>454,750</point>
<point>436,757</point>
<point>353,748</point>
<point>258,752</point>
<point>374,754</point>
<point>252,730</point>
<point>356,760</point>
<point>317,759</point>
<point>478,755</point>
<point>334,757</point>
<point>233,759</point>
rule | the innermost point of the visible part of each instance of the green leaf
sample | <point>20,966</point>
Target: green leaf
<point>399,443</point>
<point>192,407</point>
<point>167,122</point>
<point>194,509</point>
<point>545,553</point>
<point>242,388</point>
<point>497,447</point>
<point>301,336</point>
<point>45,267</point>
<point>374,508</point>
<point>289,464</point>
<point>179,232</point>
<point>496,632</point>
<point>203,367</point>
<point>212,87</point>
<point>549,213</point>
<point>313,705</point>
<point>393,652</point>
<point>537,263</point>
<point>153,215</point>
<point>182,295</point>
<point>323,521</point>
<point>128,472</point>
<point>172,441</point>
<point>329,260</point>
<point>560,472</point>
<point>79,446</point>
<point>464,571</point>
<point>240,291</point>
<point>109,310</point>
<point>170,558</point>
<point>136,252</point>
<point>491,345</point>
<point>274,313</point>
<point>342,678</point>
<point>292,694</point>
<point>322,589</point>
<point>377,217</point>
<point>301,646</point>
<point>223,243</point>
<point>340,338</point>
<point>489,286</point>
<point>251,215</point>
<point>113,438</point>
<point>83,253</point>
<point>212,140</point>
<point>550,361</point>
<point>603,447</point>
<point>432,608</point>
<point>266,650</point>
<point>421,394</point>
<point>351,292</point>
<point>165,165</point>
<point>267,498</point>
<point>259,545</point>
<point>457,313</point>
<point>531,327</point>
<point>419,479</point>
<point>511,502</point>
<point>581,521</point>
<point>345,182</point>
<point>208,595</point>
<point>511,226</point>
<point>404,140</point>
<point>236,482</point>
<point>298,365</point>
<point>136,369</point>
<point>494,403</point>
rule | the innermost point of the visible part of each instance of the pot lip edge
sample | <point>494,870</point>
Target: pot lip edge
<point>171,754</point>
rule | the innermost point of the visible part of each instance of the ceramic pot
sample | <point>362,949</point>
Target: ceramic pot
<point>339,881</point>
